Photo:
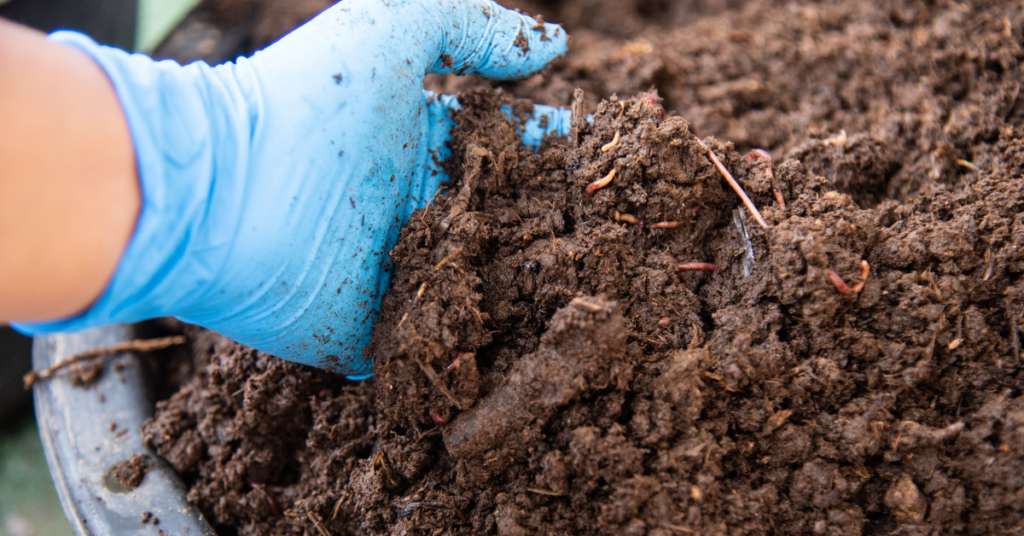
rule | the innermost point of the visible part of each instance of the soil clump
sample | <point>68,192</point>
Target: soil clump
<point>132,471</point>
<point>549,360</point>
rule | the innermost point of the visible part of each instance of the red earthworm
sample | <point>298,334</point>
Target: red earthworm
<point>865,271</point>
<point>601,183</point>
<point>653,101</point>
<point>274,507</point>
<point>837,281</point>
<point>761,153</point>
<point>696,267</point>
<point>628,218</point>
<point>612,144</point>
<point>843,288</point>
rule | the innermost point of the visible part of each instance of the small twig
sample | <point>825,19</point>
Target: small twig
<point>1016,339</point>
<point>585,304</point>
<point>145,345</point>
<point>732,182</point>
<point>545,492</point>
<point>427,207</point>
<point>432,376</point>
<point>323,532</point>
<point>935,336</point>
<point>337,507</point>
<point>447,258</point>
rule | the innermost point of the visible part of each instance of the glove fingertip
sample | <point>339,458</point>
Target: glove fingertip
<point>495,42</point>
<point>535,46</point>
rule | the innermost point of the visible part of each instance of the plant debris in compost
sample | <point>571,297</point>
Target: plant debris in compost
<point>640,356</point>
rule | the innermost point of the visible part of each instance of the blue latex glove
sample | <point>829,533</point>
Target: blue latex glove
<point>273,188</point>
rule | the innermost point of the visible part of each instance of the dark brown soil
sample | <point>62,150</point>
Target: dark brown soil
<point>542,367</point>
<point>132,471</point>
<point>86,374</point>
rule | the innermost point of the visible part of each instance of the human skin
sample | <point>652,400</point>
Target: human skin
<point>69,188</point>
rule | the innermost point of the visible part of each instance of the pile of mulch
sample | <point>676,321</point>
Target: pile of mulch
<point>553,360</point>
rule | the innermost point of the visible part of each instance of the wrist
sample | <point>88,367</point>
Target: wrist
<point>68,188</point>
<point>172,252</point>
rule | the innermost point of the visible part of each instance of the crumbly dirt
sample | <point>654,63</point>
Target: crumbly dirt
<point>85,374</point>
<point>544,367</point>
<point>132,471</point>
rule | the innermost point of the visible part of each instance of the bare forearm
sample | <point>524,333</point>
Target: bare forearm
<point>69,194</point>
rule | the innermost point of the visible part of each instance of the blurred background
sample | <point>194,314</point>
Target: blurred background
<point>28,502</point>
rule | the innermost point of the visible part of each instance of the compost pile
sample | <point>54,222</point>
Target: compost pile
<point>556,357</point>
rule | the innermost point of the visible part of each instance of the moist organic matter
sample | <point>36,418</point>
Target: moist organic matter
<point>132,471</point>
<point>598,338</point>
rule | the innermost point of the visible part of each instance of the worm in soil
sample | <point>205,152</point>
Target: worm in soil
<point>666,225</point>
<point>601,183</point>
<point>652,100</point>
<point>271,501</point>
<point>837,281</point>
<point>865,271</point>
<point>628,218</point>
<point>838,140</point>
<point>611,145</point>
<point>761,153</point>
<point>696,267</point>
<point>843,288</point>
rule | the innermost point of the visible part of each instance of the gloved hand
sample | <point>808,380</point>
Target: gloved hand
<point>275,187</point>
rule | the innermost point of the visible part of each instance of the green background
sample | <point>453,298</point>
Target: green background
<point>156,18</point>
<point>28,502</point>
